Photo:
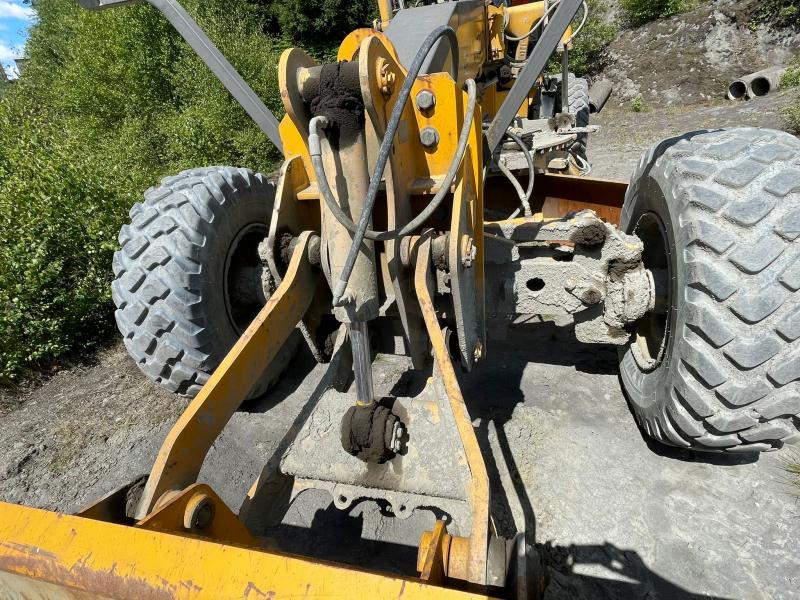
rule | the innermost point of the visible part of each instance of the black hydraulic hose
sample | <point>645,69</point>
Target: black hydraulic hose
<point>531,168</point>
<point>436,201</point>
<point>383,153</point>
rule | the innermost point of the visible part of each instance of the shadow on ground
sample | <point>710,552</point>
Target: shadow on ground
<point>363,536</point>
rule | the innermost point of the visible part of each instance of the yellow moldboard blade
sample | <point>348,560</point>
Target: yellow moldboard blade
<point>45,555</point>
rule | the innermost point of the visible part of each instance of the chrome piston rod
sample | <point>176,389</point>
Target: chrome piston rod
<point>362,362</point>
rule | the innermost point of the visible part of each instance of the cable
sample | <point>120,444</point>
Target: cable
<point>501,164</point>
<point>383,153</point>
<point>536,25</point>
<point>583,22</point>
<point>444,188</point>
<point>531,168</point>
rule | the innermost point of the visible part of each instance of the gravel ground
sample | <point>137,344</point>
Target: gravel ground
<point>614,515</point>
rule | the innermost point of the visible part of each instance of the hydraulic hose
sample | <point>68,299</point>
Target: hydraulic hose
<point>359,231</point>
<point>526,201</point>
<point>318,123</point>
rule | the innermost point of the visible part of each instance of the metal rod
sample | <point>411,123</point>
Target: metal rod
<point>362,362</point>
<point>565,79</point>
<point>385,9</point>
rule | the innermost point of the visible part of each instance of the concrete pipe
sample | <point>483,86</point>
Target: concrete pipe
<point>737,90</point>
<point>599,95</point>
<point>768,81</point>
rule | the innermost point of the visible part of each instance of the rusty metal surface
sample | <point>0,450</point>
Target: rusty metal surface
<point>429,471</point>
<point>222,525</point>
<point>466,268</point>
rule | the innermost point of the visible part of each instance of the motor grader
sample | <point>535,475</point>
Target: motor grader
<point>434,188</point>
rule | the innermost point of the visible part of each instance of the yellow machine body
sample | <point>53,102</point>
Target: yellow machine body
<point>183,541</point>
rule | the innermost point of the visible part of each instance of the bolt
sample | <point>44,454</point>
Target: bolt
<point>470,253</point>
<point>426,100</point>
<point>429,137</point>
<point>199,513</point>
<point>397,436</point>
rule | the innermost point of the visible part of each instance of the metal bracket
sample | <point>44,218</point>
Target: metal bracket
<point>190,31</point>
<point>182,454</point>
<point>602,275</point>
<point>551,36</point>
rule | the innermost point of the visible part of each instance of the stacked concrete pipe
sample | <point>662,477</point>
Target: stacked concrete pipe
<point>756,84</point>
<point>599,94</point>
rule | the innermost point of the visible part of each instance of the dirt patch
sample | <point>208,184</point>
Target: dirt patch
<point>625,135</point>
<point>82,433</point>
<point>692,57</point>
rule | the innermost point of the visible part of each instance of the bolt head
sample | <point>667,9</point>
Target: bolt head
<point>429,137</point>
<point>426,100</point>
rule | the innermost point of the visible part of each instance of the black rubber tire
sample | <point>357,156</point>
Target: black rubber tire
<point>579,106</point>
<point>729,201</point>
<point>169,273</point>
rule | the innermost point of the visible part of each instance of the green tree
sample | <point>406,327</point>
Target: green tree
<point>110,102</point>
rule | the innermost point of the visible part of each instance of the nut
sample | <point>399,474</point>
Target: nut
<point>429,137</point>
<point>426,100</point>
<point>397,436</point>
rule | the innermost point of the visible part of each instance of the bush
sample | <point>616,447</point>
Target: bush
<point>588,55</point>
<point>638,12</point>
<point>780,13</point>
<point>792,76</point>
<point>58,223</point>
<point>110,102</point>
<point>792,114</point>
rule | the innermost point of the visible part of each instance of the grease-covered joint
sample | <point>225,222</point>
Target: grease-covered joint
<point>333,91</point>
<point>287,243</point>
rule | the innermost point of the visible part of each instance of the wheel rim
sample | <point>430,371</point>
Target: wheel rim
<point>243,289</point>
<point>650,338</point>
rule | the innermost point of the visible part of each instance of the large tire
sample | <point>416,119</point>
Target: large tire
<point>726,205</point>
<point>579,106</point>
<point>171,285</point>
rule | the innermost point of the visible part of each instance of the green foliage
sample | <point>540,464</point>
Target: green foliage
<point>318,24</point>
<point>588,55</point>
<point>781,13</point>
<point>792,114</point>
<point>110,102</point>
<point>792,76</point>
<point>791,465</point>
<point>638,12</point>
<point>638,105</point>
<point>58,221</point>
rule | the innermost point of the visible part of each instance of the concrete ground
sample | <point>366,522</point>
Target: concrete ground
<point>614,515</point>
